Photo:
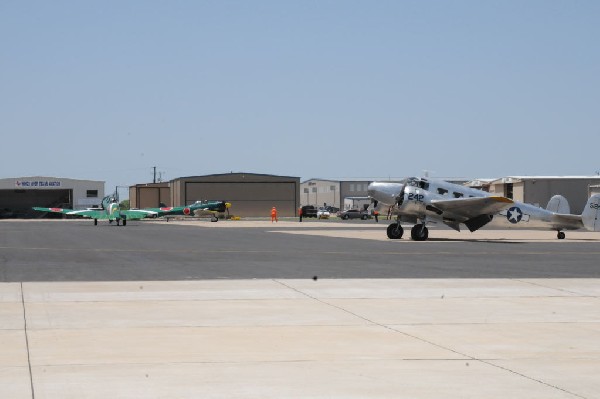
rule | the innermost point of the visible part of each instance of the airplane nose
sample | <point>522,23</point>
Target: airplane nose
<point>371,189</point>
<point>385,192</point>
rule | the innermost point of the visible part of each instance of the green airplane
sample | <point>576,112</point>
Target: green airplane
<point>199,209</point>
<point>110,211</point>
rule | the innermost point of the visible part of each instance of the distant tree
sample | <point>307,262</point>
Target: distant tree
<point>124,204</point>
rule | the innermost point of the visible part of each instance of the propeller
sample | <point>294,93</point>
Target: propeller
<point>227,206</point>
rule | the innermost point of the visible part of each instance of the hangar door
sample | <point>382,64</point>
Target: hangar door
<point>18,203</point>
<point>153,197</point>
<point>247,198</point>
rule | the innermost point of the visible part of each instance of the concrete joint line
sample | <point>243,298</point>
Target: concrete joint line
<point>472,358</point>
<point>27,342</point>
<point>579,294</point>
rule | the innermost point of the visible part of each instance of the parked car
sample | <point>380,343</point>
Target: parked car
<point>354,214</point>
<point>323,213</point>
<point>309,211</point>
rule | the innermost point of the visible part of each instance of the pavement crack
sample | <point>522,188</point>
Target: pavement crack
<point>469,357</point>
<point>27,342</point>
<point>579,294</point>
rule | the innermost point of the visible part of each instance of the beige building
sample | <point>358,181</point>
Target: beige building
<point>318,192</point>
<point>250,194</point>
<point>19,194</point>
<point>538,190</point>
<point>334,192</point>
<point>150,195</point>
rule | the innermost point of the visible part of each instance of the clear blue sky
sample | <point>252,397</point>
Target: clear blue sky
<point>107,89</point>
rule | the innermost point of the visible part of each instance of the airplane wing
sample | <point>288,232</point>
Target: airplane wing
<point>168,210</point>
<point>93,214</point>
<point>206,211</point>
<point>134,214</point>
<point>463,209</point>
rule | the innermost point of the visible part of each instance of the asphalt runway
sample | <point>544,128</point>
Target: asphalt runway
<point>76,250</point>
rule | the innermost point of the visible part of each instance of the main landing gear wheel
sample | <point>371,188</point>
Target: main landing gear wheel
<point>124,222</point>
<point>419,232</point>
<point>95,222</point>
<point>560,235</point>
<point>395,231</point>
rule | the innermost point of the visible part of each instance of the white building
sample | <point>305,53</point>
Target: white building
<point>19,194</point>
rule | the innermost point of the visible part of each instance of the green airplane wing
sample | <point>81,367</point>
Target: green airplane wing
<point>135,214</point>
<point>178,210</point>
<point>93,214</point>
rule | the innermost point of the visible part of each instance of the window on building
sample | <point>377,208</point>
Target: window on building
<point>91,193</point>
<point>352,187</point>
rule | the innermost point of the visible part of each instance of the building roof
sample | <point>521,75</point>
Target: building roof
<point>521,178</point>
<point>361,179</point>
<point>236,173</point>
<point>382,179</point>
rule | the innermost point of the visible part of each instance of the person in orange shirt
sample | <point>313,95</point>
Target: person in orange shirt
<point>274,215</point>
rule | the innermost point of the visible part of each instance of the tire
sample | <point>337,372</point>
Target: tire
<point>395,231</point>
<point>419,233</point>
<point>561,235</point>
<point>364,217</point>
<point>345,217</point>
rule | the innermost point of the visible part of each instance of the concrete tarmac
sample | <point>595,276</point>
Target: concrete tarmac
<point>77,322</point>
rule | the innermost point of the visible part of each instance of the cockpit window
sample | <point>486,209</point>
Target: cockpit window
<point>412,181</point>
<point>416,182</point>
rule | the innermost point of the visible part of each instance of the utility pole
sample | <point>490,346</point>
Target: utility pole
<point>154,179</point>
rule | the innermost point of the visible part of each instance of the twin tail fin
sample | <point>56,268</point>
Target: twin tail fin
<point>591,213</point>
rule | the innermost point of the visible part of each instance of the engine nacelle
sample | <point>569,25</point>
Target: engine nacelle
<point>386,193</point>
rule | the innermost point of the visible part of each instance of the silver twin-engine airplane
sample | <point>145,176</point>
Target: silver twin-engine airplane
<point>421,201</point>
